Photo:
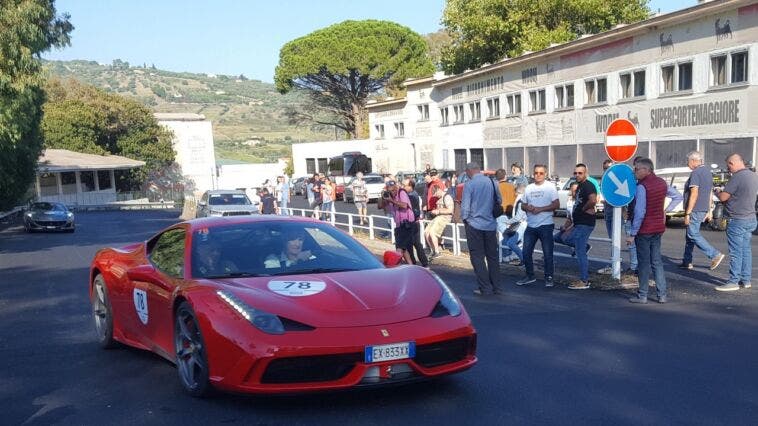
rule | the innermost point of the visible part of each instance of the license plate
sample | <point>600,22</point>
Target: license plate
<point>390,352</point>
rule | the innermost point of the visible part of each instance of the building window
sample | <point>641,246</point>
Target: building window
<point>564,96</point>
<point>104,180</point>
<point>685,76</point>
<point>458,111</point>
<point>537,100</point>
<point>87,181</point>
<point>514,104</point>
<point>632,84</point>
<point>493,107</point>
<point>68,182</point>
<point>423,112</point>
<point>667,77</point>
<point>48,184</point>
<point>445,115</point>
<point>596,91</point>
<point>323,165</point>
<point>739,67</point>
<point>379,131</point>
<point>310,166</point>
<point>399,130</point>
<point>718,70</point>
<point>476,110</point>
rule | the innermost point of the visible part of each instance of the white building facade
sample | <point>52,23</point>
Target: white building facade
<point>193,144</point>
<point>687,79</point>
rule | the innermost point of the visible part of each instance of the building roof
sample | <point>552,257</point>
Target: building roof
<point>387,102</point>
<point>178,116</point>
<point>62,160</point>
<point>587,41</point>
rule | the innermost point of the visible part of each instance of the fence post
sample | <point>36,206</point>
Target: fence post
<point>421,232</point>
<point>371,227</point>
<point>456,239</point>
<point>350,224</point>
<point>392,230</point>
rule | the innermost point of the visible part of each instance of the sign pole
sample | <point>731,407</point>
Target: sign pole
<point>616,241</point>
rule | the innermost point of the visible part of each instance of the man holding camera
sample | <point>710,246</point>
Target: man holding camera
<point>399,205</point>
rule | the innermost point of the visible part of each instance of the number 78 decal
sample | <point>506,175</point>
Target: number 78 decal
<point>296,288</point>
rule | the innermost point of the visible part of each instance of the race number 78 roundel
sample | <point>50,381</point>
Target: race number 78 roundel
<point>621,140</point>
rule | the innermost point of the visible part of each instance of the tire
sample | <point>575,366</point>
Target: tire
<point>102,313</point>
<point>191,357</point>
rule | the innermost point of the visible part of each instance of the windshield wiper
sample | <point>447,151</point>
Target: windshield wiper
<point>236,275</point>
<point>319,271</point>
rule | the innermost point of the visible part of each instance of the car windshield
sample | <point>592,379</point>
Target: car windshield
<point>47,207</point>
<point>374,179</point>
<point>274,248</point>
<point>228,199</point>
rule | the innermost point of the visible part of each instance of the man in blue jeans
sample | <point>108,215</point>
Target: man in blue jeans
<point>697,209</point>
<point>581,222</point>
<point>539,202</point>
<point>648,227</point>
<point>738,197</point>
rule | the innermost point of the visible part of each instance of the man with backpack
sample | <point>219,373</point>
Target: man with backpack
<point>409,186</point>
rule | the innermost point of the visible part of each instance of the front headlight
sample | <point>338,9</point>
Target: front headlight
<point>263,321</point>
<point>29,215</point>
<point>70,215</point>
<point>448,301</point>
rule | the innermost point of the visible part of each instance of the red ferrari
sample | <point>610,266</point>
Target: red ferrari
<point>275,304</point>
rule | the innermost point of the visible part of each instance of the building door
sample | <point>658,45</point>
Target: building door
<point>460,160</point>
<point>477,156</point>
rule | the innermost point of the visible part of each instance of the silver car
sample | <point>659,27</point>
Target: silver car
<point>49,216</point>
<point>225,203</point>
<point>374,187</point>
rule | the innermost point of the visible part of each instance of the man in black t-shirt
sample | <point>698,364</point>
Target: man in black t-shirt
<point>579,225</point>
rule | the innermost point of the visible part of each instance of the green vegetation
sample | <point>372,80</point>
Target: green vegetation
<point>82,118</point>
<point>484,31</point>
<point>241,109</point>
<point>27,28</point>
<point>341,66</point>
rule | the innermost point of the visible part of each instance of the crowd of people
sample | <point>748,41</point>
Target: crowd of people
<point>522,213</point>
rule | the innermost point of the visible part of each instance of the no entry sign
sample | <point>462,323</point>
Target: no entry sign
<point>621,140</point>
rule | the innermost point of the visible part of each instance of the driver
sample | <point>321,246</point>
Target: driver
<point>209,262</point>
<point>292,253</point>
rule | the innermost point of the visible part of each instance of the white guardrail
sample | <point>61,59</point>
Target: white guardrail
<point>454,235</point>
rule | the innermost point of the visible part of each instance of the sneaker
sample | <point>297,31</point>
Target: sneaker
<point>745,284</point>
<point>608,270</point>
<point>516,262</point>
<point>717,261</point>
<point>579,285</point>
<point>728,287</point>
<point>685,266</point>
<point>434,255</point>
<point>662,299</point>
<point>549,282</point>
<point>478,292</point>
<point>637,299</point>
<point>525,281</point>
<point>630,271</point>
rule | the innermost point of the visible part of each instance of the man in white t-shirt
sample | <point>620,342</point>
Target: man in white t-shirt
<point>539,202</point>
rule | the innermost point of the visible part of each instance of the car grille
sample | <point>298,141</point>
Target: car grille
<point>321,368</point>
<point>50,222</point>
<point>239,213</point>
<point>446,352</point>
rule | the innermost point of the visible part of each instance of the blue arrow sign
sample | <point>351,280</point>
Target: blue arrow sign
<point>618,185</point>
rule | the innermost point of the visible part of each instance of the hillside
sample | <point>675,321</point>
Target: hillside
<point>244,112</point>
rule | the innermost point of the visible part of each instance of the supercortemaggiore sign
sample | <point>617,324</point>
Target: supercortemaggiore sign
<point>707,113</point>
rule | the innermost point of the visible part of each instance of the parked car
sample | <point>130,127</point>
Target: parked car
<point>49,216</point>
<point>374,186</point>
<point>565,191</point>
<point>220,202</point>
<point>340,182</point>
<point>298,185</point>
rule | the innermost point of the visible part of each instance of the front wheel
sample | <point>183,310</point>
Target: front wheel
<point>191,359</point>
<point>102,313</point>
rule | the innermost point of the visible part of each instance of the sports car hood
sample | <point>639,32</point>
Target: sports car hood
<point>343,299</point>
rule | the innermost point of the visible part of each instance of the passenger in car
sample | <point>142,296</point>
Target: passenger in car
<point>292,252</point>
<point>208,261</point>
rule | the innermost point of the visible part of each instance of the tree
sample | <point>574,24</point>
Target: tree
<point>437,42</point>
<point>27,28</point>
<point>485,31</point>
<point>82,118</point>
<point>340,66</point>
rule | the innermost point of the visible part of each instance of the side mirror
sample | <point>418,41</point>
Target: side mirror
<point>392,258</point>
<point>144,273</point>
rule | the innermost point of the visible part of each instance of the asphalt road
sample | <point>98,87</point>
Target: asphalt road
<point>546,356</point>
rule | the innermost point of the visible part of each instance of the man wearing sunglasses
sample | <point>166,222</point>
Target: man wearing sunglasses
<point>539,202</point>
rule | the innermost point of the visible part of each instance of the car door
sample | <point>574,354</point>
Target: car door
<point>153,295</point>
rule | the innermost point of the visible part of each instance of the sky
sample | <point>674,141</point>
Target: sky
<point>226,36</point>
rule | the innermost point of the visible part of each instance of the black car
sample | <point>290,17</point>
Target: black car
<point>49,216</point>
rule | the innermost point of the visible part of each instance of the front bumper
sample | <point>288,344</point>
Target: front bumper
<point>333,358</point>
<point>40,225</point>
